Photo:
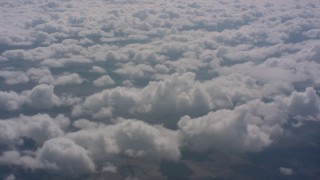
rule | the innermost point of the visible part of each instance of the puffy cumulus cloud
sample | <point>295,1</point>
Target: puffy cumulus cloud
<point>269,80</point>
<point>67,156</point>
<point>304,105</point>
<point>248,127</point>
<point>61,62</point>
<point>138,139</point>
<point>41,75</point>
<point>230,75</point>
<point>109,168</point>
<point>14,77</point>
<point>98,69</point>
<point>120,98</point>
<point>53,55</point>
<point>132,71</point>
<point>132,138</point>
<point>43,97</point>
<point>11,100</point>
<point>183,94</point>
<point>18,54</point>
<point>104,80</point>
<point>175,95</point>
<point>39,127</point>
<point>58,155</point>
<point>73,78</point>
<point>39,97</point>
<point>18,159</point>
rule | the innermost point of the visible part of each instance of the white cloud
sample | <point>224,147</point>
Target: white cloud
<point>66,79</point>
<point>68,157</point>
<point>286,171</point>
<point>175,95</point>
<point>61,62</point>
<point>39,97</point>
<point>120,98</point>
<point>84,123</point>
<point>15,158</point>
<point>231,76</point>
<point>11,101</point>
<point>109,168</point>
<point>18,54</point>
<point>98,69</point>
<point>60,155</point>
<point>249,127</point>
<point>43,97</point>
<point>14,77</point>
<point>135,71</point>
<point>104,80</point>
<point>128,137</point>
<point>41,75</point>
<point>39,127</point>
<point>305,105</point>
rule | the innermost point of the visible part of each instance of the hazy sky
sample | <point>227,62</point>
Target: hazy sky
<point>86,84</point>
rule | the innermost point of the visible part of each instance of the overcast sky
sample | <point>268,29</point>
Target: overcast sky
<point>91,82</point>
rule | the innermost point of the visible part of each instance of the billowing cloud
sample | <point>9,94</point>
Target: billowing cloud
<point>39,127</point>
<point>40,97</point>
<point>18,159</point>
<point>13,77</point>
<point>69,79</point>
<point>11,100</point>
<point>176,95</point>
<point>306,104</point>
<point>128,137</point>
<point>98,69</point>
<point>249,127</point>
<point>65,154</point>
<point>150,80</point>
<point>104,80</point>
<point>40,75</point>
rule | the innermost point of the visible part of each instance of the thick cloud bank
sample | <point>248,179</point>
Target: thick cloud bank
<point>87,86</point>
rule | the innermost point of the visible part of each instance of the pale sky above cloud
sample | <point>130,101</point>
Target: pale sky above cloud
<point>93,83</point>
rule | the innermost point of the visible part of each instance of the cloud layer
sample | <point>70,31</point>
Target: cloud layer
<point>89,84</point>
